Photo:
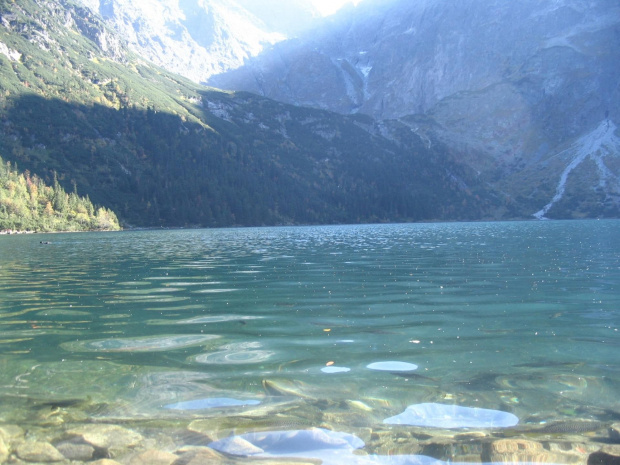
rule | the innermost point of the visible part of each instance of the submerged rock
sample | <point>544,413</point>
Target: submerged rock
<point>285,387</point>
<point>4,450</point>
<point>110,438</point>
<point>197,456</point>
<point>524,451</point>
<point>608,455</point>
<point>38,451</point>
<point>75,450</point>
<point>614,432</point>
<point>153,457</point>
<point>236,445</point>
<point>11,433</point>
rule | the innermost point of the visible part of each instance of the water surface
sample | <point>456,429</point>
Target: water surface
<point>338,327</point>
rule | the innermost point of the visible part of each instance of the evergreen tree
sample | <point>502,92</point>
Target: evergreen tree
<point>27,204</point>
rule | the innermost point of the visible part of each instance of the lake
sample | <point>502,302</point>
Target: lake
<point>369,344</point>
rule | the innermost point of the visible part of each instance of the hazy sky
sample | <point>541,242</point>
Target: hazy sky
<point>328,7</point>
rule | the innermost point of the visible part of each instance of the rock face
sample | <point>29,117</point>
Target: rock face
<point>508,85</point>
<point>199,38</point>
<point>395,58</point>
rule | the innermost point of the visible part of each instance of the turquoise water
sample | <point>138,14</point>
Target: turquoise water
<point>274,328</point>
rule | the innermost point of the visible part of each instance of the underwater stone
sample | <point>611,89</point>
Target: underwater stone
<point>214,402</point>
<point>4,451</point>
<point>11,433</point>
<point>154,457</point>
<point>236,445</point>
<point>614,432</point>
<point>392,366</point>
<point>285,387</point>
<point>73,450</point>
<point>35,451</point>
<point>110,437</point>
<point>608,455</point>
<point>196,455</point>
<point>452,416</point>
<point>524,451</point>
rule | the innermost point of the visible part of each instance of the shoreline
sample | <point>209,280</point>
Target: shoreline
<point>11,232</point>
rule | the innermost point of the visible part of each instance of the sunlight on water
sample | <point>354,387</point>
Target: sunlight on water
<point>316,342</point>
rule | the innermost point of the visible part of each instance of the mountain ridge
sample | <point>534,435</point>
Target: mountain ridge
<point>162,151</point>
<point>505,85</point>
<point>199,39</point>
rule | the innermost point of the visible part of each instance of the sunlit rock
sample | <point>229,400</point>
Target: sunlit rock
<point>524,451</point>
<point>614,432</point>
<point>109,437</point>
<point>4,450</point>
<point>36,451</point>
<point>286,387</point>
<point>452,416</point>
<point>154,457</point>
<point>237,445</point>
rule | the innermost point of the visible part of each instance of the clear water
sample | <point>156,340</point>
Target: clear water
<point>274,328</point>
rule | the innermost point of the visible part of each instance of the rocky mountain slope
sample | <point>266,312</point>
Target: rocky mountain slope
<point>201,38</point>
<point>77,106</point>
<point>507,85</point>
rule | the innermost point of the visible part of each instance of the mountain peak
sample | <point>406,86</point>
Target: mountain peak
<point>201,38</point>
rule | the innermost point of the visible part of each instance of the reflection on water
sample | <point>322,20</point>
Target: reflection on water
<point>452,416</point>
<point>319,340</point>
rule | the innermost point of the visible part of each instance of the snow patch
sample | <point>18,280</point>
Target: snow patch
<point>365,70</point>
<point>597,145</point>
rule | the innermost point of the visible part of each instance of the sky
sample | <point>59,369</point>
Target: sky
<point>328,7</point>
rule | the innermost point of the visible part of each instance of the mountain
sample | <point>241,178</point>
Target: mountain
<point>201,38</point>
<point>507,85</point>
<point>78,107</point>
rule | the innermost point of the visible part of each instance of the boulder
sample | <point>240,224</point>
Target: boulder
<point>4,451</point>
<point>198,456</point>
<point>153,457</point>
<point>38,451</point>
<point>523,450</point>
<point>111,438</point>
<point>75,450</point>
<point>608,455</point>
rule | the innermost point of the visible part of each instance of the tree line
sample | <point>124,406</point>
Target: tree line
<point>28,204</point>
